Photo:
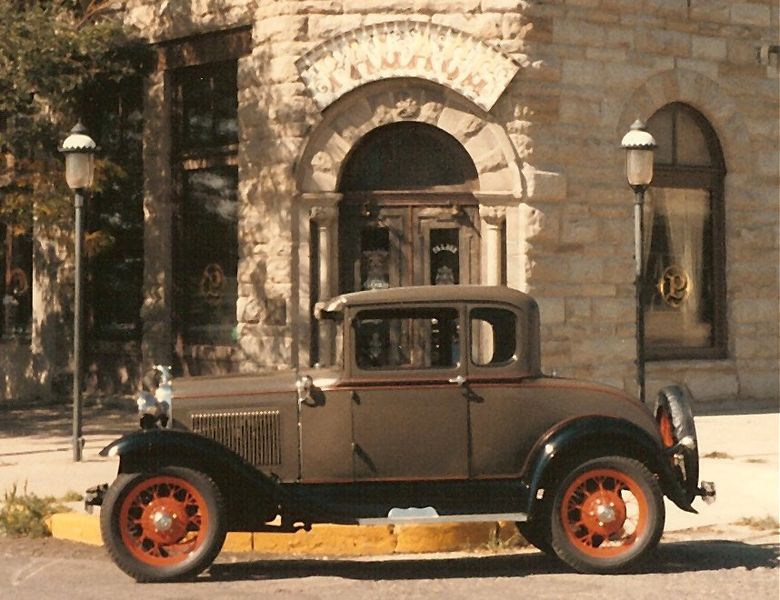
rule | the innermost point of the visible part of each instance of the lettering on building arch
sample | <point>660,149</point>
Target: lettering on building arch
<point>437,53</point>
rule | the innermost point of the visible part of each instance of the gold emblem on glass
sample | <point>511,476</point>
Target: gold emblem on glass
<point>674,286</point>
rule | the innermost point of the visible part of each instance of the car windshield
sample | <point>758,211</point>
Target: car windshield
<point>416,338</point>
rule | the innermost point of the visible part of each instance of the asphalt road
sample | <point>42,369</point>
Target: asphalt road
<point>704,565</point>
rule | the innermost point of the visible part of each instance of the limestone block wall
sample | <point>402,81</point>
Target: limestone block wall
<point>608,62</point>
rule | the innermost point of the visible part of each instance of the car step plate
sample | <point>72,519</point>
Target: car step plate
<point>399,516</point>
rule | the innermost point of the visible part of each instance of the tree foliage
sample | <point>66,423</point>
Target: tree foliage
<point>57,59</point>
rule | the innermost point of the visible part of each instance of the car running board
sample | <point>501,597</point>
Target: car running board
<point>400,516</point>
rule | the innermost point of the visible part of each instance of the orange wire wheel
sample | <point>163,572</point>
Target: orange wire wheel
<point>666,427</point>
<point>609,513</point>
<point>163,526</point>
<point>163,520</point>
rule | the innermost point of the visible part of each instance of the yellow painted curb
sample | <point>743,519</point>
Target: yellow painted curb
<point>331,540</point>
<point>77,527</point>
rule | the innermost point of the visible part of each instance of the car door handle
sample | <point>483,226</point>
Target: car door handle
<point>460,380</point>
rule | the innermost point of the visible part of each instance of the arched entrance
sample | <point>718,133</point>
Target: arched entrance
<point>408,214</point>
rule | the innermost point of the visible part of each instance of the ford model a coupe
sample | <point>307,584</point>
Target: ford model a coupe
<point>438,411</point>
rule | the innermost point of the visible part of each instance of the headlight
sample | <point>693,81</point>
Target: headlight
<point>157,408</point>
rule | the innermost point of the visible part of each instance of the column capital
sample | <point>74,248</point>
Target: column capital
<point>492,215</point>
<point>497,198</point>
<point>312,199</point>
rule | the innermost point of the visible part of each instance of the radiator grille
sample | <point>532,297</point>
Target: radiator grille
<point>254,435</point>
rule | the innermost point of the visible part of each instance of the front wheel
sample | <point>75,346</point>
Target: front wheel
<point>167,525</point>
<point>608,513</point>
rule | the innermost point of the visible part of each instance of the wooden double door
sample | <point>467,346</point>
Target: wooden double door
<point>394,240</point>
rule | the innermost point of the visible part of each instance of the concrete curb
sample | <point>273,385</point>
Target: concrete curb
<point>333,540</point>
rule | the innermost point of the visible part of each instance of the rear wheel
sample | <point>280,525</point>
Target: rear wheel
<point>163,526</point>
<point>608,513</point>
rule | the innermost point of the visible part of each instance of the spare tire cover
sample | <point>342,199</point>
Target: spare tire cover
<point>673,412</point>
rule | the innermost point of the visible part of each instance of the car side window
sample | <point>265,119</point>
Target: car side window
<point>493,336</point>
<point>417,338</point>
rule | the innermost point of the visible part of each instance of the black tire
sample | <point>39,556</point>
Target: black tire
<point>536,534</point>
<point>607,515</point>
<point>166,525</point>
<point>674,415</point>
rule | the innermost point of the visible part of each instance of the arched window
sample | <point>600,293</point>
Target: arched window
<point>684,279</point>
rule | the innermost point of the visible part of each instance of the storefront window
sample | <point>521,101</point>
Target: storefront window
<point>683,287</point>
<point>207,251</point>
<point>114,245</point>
<point>210,255</point>
<point>16,284</point>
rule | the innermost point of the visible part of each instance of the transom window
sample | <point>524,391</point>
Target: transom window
<point>683,285</point>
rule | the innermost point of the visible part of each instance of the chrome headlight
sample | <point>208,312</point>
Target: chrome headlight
<point>157,408</point>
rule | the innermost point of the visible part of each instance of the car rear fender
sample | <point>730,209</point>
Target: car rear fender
<point>249,493</point>
<point>573,442</point>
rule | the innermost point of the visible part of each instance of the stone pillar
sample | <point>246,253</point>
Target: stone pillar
<point>493,219</point>
<point>323,212</point>
<point>156,310</point>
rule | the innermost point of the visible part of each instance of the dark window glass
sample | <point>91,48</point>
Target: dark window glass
<point>16,284</point>
<point>493,336</point>
<point>114,244</point>
<point>408,156</point>
<point>445,256</point>
<point>374,258</point>
<point>206,259</point>
<point>209,255</point>
<point>208,105</point>
<point>423,338</point>
<point>683,285</point>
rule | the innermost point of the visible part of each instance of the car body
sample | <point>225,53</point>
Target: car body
<point>437,411</point>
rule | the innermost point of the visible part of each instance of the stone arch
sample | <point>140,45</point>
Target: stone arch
<point>703,94</point>
<point>389,101</point>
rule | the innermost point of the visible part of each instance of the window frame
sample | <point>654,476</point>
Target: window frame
<point>179,59</point>
<point>410,373</point>
<point>712,179</point>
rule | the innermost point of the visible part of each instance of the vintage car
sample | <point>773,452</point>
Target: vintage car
<point>437,411</point>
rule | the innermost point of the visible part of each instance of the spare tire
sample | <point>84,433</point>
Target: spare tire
<point>674,415</point>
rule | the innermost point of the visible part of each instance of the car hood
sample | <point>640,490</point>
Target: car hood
<point>212,386</point>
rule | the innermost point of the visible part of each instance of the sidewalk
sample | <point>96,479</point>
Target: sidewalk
<point>739,452</point>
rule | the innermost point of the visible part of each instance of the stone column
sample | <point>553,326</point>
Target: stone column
<point>156,311</point>
<point>493,218</point>
<point>323,212</point>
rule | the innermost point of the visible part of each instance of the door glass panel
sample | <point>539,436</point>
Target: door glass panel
<point>444,257</point>
<point>414,339</point>
<point>374,258</point>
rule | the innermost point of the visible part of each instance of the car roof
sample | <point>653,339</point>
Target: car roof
<point>428,293</point>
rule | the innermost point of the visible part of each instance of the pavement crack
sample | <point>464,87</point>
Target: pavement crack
<point>31,569</point>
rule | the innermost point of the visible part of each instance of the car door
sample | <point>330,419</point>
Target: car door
<point>409,415</point>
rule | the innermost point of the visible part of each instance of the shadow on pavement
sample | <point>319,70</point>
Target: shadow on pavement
<point>677,557</point>
<point>57,420</point>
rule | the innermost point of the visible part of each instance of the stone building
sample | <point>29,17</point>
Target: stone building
<point>295,150</point>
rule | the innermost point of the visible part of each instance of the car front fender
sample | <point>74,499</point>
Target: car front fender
<point>575,441</point>
<point>248,491</point>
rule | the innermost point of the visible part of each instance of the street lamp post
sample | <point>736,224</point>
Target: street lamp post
<point>79,150</point>
<point>639,146</point>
